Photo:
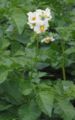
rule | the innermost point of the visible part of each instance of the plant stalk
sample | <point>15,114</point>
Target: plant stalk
<point>63,60</point>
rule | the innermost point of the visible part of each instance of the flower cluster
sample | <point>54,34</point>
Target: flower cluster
<point>39,20</point>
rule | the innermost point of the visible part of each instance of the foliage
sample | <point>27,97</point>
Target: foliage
<point>25,91</point>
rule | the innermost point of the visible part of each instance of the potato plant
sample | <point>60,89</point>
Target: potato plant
<point>37,60</point>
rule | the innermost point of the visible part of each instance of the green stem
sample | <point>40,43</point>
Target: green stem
<point>37,46</point>
<point>63,60</point>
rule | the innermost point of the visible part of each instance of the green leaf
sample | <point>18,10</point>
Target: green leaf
<point>4,106</point>
<point>19,18</point>
<point>29,112</point>
<point>70,1</point>
<point>3,75</point>
<point>67,109</point>
<point>6,116</point>
<point>12,89</point>
<point>26,87</point>
<point>45,101</point>
<point>4,43</point>
<point>70,51</point>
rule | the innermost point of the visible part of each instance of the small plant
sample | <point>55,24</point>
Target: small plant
<point>37,60</point>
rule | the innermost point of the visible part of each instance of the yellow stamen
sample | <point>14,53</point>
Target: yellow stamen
<point>42,28</point>
<point>34,18</point>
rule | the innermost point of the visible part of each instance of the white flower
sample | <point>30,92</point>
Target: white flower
<point>48,13</point>
<point>32,17</point>
<point>48,40</point>
<point>44,14</point>
<point>41,27</point>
